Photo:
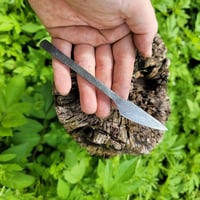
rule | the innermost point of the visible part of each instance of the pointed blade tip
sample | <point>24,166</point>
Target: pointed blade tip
<point>162,128</point>
<point>158,126</point>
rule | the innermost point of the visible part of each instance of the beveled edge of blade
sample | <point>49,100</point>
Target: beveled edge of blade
<point>138,115</point>
<point>155,125</point>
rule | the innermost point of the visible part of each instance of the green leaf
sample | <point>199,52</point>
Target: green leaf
<point>43,106</point>
<point>71,158</point>
<point>28,133</point>
<point>104,174</point>
<point>19,107</point>
<point>125,171</point>
<point>29,138</point>
<point>6,157</point>
<point>5,131</point>
<point>22,151</point>
<point>2,101</point>
<point>194,109</point>
<point>48,99</point>
<point>17,180</point>
<point>197,23</point>
<point>107,176</point>
<point>14,89</point>
<point>62,189</point>
<point>12,167</point>
<point>32,126</point>
<point>76,173</point>
<point>124,189</point>
<point>13,120</point>
<point>5,23</point>
<point>32,27</point>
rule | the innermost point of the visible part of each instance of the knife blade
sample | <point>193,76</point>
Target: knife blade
<point>126,108</point>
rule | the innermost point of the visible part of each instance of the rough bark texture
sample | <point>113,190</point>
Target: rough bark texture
<point>115,134</point>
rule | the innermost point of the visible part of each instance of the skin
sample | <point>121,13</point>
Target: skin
<point>105,35</point>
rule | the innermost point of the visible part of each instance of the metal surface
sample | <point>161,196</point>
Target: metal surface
<point>126,108</point>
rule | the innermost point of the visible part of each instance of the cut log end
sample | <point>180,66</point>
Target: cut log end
<point>115,134</point>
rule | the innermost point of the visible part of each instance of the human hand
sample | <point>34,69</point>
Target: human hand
<point>105,35</point>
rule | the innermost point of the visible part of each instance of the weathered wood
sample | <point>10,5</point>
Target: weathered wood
<point>115,134</point>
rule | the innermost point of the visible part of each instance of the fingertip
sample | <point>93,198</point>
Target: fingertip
<point>124,55</point>
<point>62,77</point>
<point>143,25</point>
<point>102,114</point>
<point>63,89</point>
<point>104,71</point>
<point>103,105</point>
<point>88,101</point>
<point>85,57</point>
<point>143,44</point>
<point>122,89</point>
<point>148,53</point>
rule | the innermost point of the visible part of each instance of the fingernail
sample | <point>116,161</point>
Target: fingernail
<point>149,52</point>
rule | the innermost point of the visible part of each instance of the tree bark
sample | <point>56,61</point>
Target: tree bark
<point>115,134</point>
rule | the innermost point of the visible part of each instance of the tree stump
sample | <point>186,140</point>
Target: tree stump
<point>115,134</point>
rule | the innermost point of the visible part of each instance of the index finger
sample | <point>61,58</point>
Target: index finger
<point>62,78</point>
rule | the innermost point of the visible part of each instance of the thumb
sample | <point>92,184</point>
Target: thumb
<point>141,19</point>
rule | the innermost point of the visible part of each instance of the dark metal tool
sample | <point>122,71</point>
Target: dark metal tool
<point>126,108</point>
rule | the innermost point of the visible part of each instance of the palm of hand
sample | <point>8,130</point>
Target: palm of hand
<point>100,33</point>
<point>95,23</point>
